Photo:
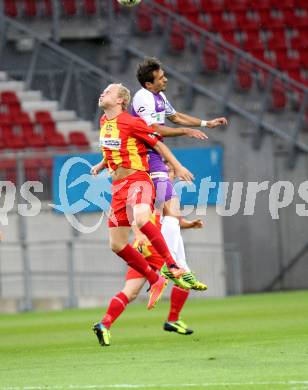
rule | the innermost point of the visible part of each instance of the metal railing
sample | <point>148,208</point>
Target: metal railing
<point>231,59</point>
<point>58,73</point>
<point>81,268</point>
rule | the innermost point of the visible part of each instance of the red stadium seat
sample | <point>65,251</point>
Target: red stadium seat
<point>8,170</point>
<point>244,77</point>
<point>30,8</point>
<point>299,43</point>
<point>56,140</point>
<point>210,6</point>
<point>43,117</point>
<point>210,58</point>
<point>10,8</point>
<point>47,8</point>
<point>15,143</point>
<point>69,7</point>
<point>49,129</point>
<point>14,108</point>
<point>301,4</point>
<point>8,97</point>
<point>278,97</point>
<point>188,9</point>
<point>90,7</point>
<point>2,144</point>
<point>304,60</point>
<point>46,165</point>
<point>5,120</point>
<point>32,169</point>
<point>277,42</point>
<point>144,20</point>
<point>78,138</point>
<point>177,38</point>
<point>21,118</point>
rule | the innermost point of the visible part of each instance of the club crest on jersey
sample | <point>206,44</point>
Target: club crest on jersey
<point>110,143</point>
<point>108,128</point>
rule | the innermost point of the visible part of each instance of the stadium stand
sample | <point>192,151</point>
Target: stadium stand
<point>207,77</point>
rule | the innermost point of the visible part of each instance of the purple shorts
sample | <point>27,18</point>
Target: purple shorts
<point>164,190</point>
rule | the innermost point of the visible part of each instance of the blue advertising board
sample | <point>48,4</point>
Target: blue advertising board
<point>75,190</point>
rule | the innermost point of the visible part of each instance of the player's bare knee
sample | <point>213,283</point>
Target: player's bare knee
<point>116,247</point>
<point>142,214</point>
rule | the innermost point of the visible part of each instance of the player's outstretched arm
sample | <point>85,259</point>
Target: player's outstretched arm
<point>180,171</point>
<point>166,131</point>
<point>186,120</point>
<point>96,169</point>
<point>194,224</point>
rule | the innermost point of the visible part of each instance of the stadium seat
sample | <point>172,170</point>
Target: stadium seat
<point>5,120</point>
<point>69,7</point>
<point>277,42</point>
<point>144,20</point>
<point>30,8</point>
<point>2,144</point>
<point>243,78</point>
<point>10,8</point>
<point>43,117</point>
<point>210,58</point>
<point>177,38</point>
<point>78,138</point>
<point>8,170</point>
<point>304,60</point>
<point>278,96</point>
<point>32,169</point>
<point>188,9</point>
<point>14,108</point>
<point>47,8</point>
<point>56,140</point>
<point>46,165</point>
<point>15,143</point>
<point>22,118</point>
<point>90,7</point>
<point>7,97</point>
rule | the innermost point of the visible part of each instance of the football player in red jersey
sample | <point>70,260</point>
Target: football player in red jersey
<point>123,141</point>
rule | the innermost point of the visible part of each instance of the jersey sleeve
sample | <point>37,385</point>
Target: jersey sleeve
<point>143,132</point>
<point>170,111</point>
<point>144,107</point>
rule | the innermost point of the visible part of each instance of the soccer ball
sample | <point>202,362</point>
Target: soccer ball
<point>129,3</point>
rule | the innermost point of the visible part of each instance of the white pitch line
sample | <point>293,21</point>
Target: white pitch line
<point>141,386</point>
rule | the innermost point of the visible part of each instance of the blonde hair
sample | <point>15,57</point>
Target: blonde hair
<point>124,93</point>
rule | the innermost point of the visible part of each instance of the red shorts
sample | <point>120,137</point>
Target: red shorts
<point>134,189</point>
<point>151,256</point>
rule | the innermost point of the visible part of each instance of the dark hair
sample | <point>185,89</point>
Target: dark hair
<point>145,70</point>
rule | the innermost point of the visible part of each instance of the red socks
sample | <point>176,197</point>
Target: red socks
<point>115,308</point>
<point>157,240</point>
<point>177,299</point>
<point>135,260</point>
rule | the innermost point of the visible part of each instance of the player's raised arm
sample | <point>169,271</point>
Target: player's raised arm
<point>180,171</point>
<point>166,131</point>
<point>186,120</point>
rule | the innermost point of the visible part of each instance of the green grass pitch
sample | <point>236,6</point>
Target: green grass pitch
<point>246,342</point>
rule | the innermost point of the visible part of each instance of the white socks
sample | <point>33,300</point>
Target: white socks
<point>172,234</point>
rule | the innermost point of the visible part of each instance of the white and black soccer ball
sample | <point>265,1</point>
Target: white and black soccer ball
<point>129,3</point>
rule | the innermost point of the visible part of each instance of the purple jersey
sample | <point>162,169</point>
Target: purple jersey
<point>153,108</point>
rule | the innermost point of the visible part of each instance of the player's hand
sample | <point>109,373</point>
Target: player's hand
<point>217,122</point>
<point>184,174</point>
<point>196,224</point>
<point>95,170</point>
<point>192,133</point>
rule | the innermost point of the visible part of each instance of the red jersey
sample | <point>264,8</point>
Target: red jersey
<point>123,142</point>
